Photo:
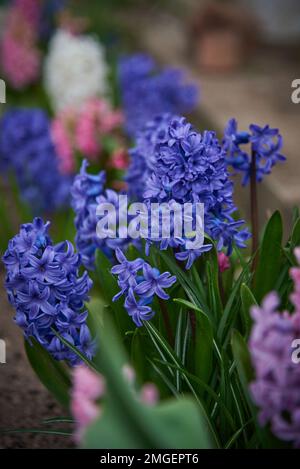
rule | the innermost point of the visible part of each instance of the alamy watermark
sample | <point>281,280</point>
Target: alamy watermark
<point>2,351</point>
<point>2,92</point>
<point>296,351</point>
<point>295,96</point>
<point>154,221</point>
<point>2,101</point>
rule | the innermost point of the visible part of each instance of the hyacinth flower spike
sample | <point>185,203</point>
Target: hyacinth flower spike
<point>140,283</point>
<point>44,287</point>
<point>265,145</point>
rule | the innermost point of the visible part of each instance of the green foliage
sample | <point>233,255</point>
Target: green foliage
<point>127,423</point>
<point>269,257</point>
<point>202,367</point>
<point>53,374</point>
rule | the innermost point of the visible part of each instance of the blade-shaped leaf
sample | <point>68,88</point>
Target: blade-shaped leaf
<point>268,266</point>
<point>51,373</point>
<point>248,300</point>
<point>127,423</point>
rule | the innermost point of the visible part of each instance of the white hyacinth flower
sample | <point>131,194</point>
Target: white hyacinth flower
<point>75,70</point>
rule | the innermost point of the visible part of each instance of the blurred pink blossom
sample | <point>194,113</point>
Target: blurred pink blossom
<point>20,57</point>
<point>128,373</point>
<point>223,262</point>
<point>95,119</point>
<point>119,159</point>
<point>275,388</point>
<point>295,275</point>
<point>62,130</point>
<point>30,11</point>
<point>87,388</point>
<point>149,394</point>
<point>82,130</point>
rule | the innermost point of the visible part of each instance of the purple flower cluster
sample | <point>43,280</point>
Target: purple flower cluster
<point>142,155</point>
<point>50,10</point>
<point>276,386</point>
<point>176,164</point>
<point>27,150</point>
<point>265,144</point>
<point>87,193</point>
<point>147,92</point>
<point>44,287</point>
<point>139,283</point>
<point>84,192</point>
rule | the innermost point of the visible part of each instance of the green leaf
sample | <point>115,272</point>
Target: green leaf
<point>269,257</point>
<point>96,318</point>
<point>188,304</point>
<point>75,350</point>
<point>295,236</point>
<point>232,306</point>
<point>138,355</point>
<point>163,346</point>
<point>248,300</point>
<point>242,359</point>
<point>59,420</point>
<point>179,345</point>
<point>51,373</point>
<point>295,214</point>
<point>96,307</point>
<point>185,281</point>
<point>6,231</point>
<point>38,431</point>
<point>127,423</point>
<point>237,434</point>
<point>203,347</point>
<point>172,424</point>
<point>212,271</point>
<point>165,378</point>
<point>110,288</point>
<point>107,281</point>
<point>215,397</point>
<point>246,375</point>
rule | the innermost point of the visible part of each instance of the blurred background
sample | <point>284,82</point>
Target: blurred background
<point>244,54</point>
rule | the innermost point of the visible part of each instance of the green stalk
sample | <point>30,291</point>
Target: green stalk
<point>254,210</point>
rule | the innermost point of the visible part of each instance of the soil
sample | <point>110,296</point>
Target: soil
<point>24,402</point>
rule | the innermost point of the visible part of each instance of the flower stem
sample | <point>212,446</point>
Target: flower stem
<point>221,287</point>
<point>254,210</point>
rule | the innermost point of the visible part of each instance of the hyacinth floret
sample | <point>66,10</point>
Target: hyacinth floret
<point>87,193</point>
<point>47,292</point>
<point>263,143</point>
<point>148,92</point>
<point>27,150</point>
<point>139,283</point>
<point>180,165</point>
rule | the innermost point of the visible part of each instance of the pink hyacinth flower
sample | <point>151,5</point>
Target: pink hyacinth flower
<point>110,121</point>
<point>30,11</point>
<point>87,388</point>
<point>20,57</point>
<point>223,262</point>
<point>295,275</point>
<point>62,131</point>
<point>119,159</point>
<point>149,394</point>
<point>128,373</point>
<point>88,142</point>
